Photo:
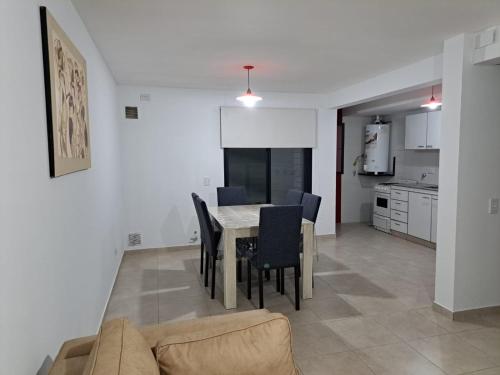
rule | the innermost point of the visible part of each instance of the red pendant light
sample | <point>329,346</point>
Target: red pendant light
<point>433,103</point>
<point>249,98</point>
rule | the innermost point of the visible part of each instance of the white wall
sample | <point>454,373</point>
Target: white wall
<point>357,196</point>
<point>176,143</point>
<point>59,236</point>
<point>468,237</point>
<point>410,77</point>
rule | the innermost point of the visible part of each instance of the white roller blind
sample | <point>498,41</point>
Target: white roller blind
<point>267,127</point>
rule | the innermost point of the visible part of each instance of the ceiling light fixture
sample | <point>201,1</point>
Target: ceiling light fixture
<point>249,98</point>
<point>433,103</point>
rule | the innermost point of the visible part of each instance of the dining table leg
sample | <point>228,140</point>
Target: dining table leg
<point>229,268</point>
<point>307,273</point>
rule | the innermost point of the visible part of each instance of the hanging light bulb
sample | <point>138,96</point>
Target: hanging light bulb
<point>433,103</point>
<point>249,99</point>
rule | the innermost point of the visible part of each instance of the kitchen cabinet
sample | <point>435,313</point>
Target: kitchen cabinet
<point>423,131</point>
<point>434,209</point>
<point>419,215</point>
<point>416,131</point>
<point>433,129</point>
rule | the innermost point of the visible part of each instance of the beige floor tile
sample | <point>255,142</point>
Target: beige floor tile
<point>347,363</point>
<point>303,316</point>
<point>450,325</point>
<point>330,308</point>
<point>486,340</point>
<point>315,339</point>
<point>174,309</point>
<point>453,355</point>
<point>409,325</point>
<point>398,359</point>
<point>374,305</point>
<point>361,332</point>
<point>491,371</point>
<point>142,310</point>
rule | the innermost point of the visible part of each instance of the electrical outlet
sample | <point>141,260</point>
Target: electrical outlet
<point>194,238</point>
<point>116,251</point>
<point>493,206</point>
<point>206,181</point>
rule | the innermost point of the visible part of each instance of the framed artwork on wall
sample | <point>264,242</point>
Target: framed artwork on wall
<point>66,98</point>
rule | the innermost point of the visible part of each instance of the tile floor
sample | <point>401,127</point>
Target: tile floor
<point>371,311</point>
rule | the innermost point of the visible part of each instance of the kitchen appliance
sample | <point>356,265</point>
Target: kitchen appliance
<point>382,207</point>
<point>377,139</point>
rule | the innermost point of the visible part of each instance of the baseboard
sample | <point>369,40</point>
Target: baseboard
<point>162,249</point>
<point>419,241</point>
<point>111,290</point>
<point>327,236</point>
<point>464,314</point>
<point>442,310</point>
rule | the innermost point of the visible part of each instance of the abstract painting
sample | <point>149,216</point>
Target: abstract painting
<point>66,98</point>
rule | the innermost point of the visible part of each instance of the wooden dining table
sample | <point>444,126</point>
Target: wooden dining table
<point>243,222</point>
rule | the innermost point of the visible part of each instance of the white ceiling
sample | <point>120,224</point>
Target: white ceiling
<point>296,45</point>
<point>402,102</point>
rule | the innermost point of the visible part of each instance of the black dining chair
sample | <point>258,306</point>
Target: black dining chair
<point>217,232</point>
<point>236,196</point>
<point>232,196</point>
<point>210,242</point>
<point>277,247</point>
<point>202,251</point>
<point>294,197</point>
<point>311,204</point>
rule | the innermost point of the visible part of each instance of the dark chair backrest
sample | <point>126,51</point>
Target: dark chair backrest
<point>207,229</point>
<point>294,197</point>
<point>232,196</point>
<point>311,203</point>
<point>197,209</point>
<point>279,237</point>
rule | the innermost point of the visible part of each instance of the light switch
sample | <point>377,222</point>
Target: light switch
<point>493,206</point>
<point>206,181</point>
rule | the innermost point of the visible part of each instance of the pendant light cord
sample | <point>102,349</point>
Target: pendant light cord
<point>248,79</point>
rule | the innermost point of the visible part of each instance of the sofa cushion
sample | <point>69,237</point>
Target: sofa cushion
<point>254,344</point>
<point>120,349</point>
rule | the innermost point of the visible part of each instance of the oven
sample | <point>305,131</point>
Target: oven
<point>382,204</point>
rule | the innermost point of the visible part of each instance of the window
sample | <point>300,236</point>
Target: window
<point>267,173</point>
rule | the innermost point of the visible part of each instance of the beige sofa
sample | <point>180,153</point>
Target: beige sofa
<point>253,342</point>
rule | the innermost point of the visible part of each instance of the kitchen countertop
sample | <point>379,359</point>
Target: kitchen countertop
<point>417,188</point>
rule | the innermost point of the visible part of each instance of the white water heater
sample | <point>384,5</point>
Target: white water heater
<point>377,139</point>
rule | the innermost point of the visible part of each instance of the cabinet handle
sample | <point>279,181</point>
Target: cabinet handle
<point>398,203</point>
<point>420,146</point>
<point>429,146</point>
<point>425,198</point>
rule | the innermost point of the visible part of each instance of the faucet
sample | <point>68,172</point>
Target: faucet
<point>424,175</point>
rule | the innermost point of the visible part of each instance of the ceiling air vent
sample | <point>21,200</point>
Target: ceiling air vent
<point>134,239</point>
<point>132,113</point>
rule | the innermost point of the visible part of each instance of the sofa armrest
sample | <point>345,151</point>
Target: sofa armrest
<point>73,356</point>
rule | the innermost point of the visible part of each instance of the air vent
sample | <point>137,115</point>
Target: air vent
<point>132,113</point>
<point>134,239</point>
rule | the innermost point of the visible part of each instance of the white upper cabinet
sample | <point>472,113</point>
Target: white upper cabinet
<point>433,129</point>
<point>416,131</point>
<point>423,131</point>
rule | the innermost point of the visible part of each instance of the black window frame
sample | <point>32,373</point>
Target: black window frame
<point>307,170</point>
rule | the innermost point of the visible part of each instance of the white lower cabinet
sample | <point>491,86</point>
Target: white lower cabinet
<point>420,215</point>
<point>434,223</point>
